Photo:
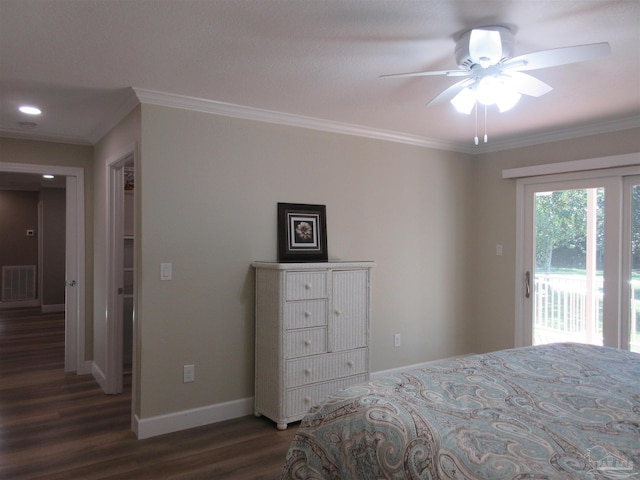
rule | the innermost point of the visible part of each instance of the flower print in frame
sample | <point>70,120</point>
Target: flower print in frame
<point>302,233</point>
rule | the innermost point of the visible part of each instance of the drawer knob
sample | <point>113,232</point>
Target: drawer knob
<point>307,314</point>
<point>338,312</point>
<point>307,286</point>
<point>307,342</point>
<point>349,363</point>
<point>307,371</point>
<point>307,399</point>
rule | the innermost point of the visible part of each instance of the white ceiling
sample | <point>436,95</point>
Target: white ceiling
<point>319,59</point>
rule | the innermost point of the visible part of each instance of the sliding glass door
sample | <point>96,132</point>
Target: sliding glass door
<point>631,261</point>
<point>581,261</point>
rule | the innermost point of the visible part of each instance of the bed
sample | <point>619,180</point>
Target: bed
<point>559,411</point>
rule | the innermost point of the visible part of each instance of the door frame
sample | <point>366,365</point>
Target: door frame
<point>629,182</point>
<point>523,331</point>
<point>75,317</point>
<point>115,282</point>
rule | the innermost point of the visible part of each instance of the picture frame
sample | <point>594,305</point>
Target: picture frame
<point>302,233</point>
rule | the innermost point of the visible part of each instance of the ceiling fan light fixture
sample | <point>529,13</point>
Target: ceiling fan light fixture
<point>485,47</point>
<point>464,101</point>
<point>507,99</point>
<point>489,89</point>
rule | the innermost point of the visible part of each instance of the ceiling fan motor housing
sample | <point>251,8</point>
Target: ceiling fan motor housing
<point>463,57</point>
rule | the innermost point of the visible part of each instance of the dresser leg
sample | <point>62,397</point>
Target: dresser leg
<point>281,426</point>
<point>256,413</point>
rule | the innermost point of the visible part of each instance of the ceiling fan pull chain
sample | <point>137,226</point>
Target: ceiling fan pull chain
<point>485,125</point>
<point>476,111</point>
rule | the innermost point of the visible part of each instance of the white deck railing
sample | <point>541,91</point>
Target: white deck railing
<point>566,309</point>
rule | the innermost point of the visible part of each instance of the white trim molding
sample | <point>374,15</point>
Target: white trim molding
<point>152,97</point>
<point>195,417</point>
<point>98,375</point>
<point>614,161</point>
<point>128,101</point>
<point>136,95</point>
<point>416,366</point>
<point>198,417</point>
<point>560,133</point>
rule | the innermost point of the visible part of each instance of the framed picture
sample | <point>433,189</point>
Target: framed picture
<point>302,233</point>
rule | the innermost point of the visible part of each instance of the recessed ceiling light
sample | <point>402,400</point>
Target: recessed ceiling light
<point>48,176</point>
<point>30,110</point>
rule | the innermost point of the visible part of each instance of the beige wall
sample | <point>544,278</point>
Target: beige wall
<point>80,156</point>
<point>495,223</point>
<point>209,186</point>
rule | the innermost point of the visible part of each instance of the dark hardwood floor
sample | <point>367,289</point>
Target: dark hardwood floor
<point>61,426</point>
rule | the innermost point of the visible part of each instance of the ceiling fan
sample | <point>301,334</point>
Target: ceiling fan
<point>493,76</point>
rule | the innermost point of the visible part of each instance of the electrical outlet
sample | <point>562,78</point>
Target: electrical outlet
<point>397,340</point>
<point>189,373</point>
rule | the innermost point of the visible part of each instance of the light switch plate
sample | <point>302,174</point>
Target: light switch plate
<point>189,373</point>
<point>166,271</point>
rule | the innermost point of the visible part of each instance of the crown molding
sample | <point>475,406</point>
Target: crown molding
<point>127,103</point>
<point>152,97</point>
<point>135,96</point>
<point>609,126</point>
<point>250,113</point>
<point>43,137</point>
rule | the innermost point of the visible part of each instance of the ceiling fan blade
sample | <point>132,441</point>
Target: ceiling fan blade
<point>557,56</point>
<point>485,47</point>
<point>448,73</point>
<point>451,92</point>
<point>527,85</point>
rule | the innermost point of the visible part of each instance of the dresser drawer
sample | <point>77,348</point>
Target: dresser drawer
<point>304,314</point>
<point>301,399</point>
<point>304,371</point>
<point>306,285</point>
<point>309,341</point>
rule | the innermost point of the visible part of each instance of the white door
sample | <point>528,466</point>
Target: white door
<point>631,262</point>
<point>576,265</point>
<point>71,360</point>
<point>349,313</point>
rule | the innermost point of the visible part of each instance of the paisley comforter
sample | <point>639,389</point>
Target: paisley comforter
<point>560,411</point>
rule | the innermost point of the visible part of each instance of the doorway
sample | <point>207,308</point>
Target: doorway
<point>75,259</point>
<point>577,258</point>
<point>120,338</point>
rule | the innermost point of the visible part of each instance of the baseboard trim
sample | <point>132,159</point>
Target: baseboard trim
<point>85,368</point>
<point>196,417</point>
<point>99,375</point>
<point>393,371</point>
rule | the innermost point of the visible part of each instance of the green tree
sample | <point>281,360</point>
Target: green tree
<point>561,224</point>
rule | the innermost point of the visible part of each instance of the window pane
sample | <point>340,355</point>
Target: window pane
<point>634,320</point>
<point>568,279</point>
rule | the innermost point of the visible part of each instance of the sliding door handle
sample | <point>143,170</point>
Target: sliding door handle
<point>527,284</point>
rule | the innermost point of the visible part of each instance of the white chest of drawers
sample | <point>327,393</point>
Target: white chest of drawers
<point>312,334</point>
